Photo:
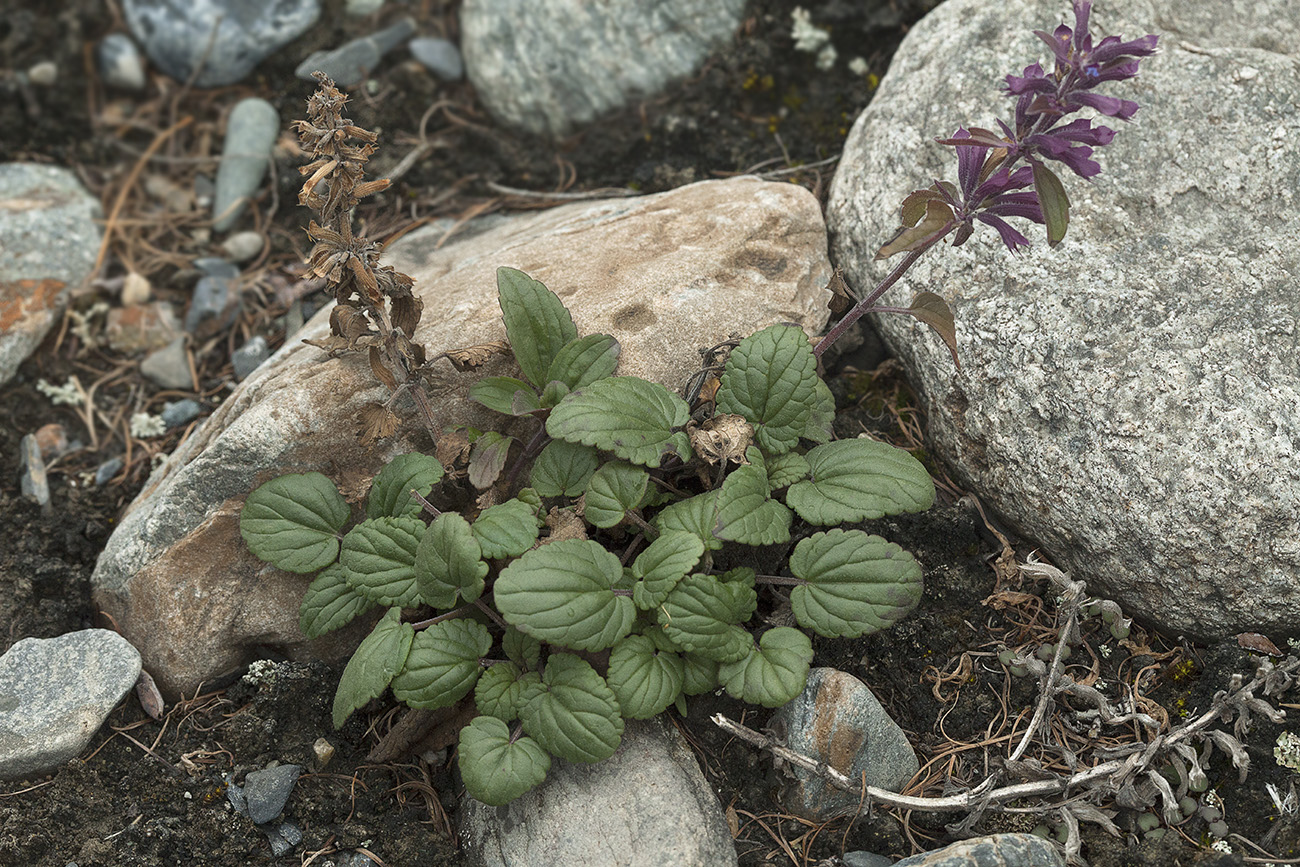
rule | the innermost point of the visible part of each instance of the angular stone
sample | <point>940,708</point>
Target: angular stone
<point>55,694</point>
<point>665,274</point>
<point>839,721</point>
<point>352,61</point>
<point>439,56</point>
<point>250,356</point>
<point>267,791</point>
<point>228,37</point>
<point>551,66</point>
<point>169,366</point>
<point>648,805</point>
<point>996,850</point>
<point>1130,399</point>
<point>120,63</point>
<point>49,238</point>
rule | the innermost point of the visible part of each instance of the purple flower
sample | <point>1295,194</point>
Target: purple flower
<point>987,190</point>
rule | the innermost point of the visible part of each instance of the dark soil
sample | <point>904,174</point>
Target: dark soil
<point>154,792</point>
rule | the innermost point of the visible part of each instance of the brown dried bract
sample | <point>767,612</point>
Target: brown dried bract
<point>722,438</point>
<point>472,357</point>
<point>377,422</point>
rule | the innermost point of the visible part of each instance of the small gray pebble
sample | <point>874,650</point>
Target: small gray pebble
<point>214,266</point>
<point>44,73</point>
<point>360,8</point>
<point>268,790</point>
<point>216,299</point>
<point>109,468</point>
<point>169,366</point>
<point>119,62</point>
<point>249,357</point>
<point>179,412</point>
<point>865,859</point>
<point>283,837</point>
<point>352,61</point>
<point>250,136</point>
<point>35,486</point>
<point>242,246</point>
<point>439,56</point>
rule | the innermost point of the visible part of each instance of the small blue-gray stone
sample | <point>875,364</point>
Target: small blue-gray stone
<point>439,56</point>
<point>283,837</point>
<point>109,468</point>
<point>250,135</point>
<point>837,719</point>
<point>216,300</point>
<point>169,366</point>
<point>177,413</point>
<point>120,63</point>
<point>249,357</point>
<point>228,37</point>
<point>267,791</point>
<point>33,481</point>
<point>54,695</point>
<point>352,61</point>
<point>996,850</point>
<point>865,859</point>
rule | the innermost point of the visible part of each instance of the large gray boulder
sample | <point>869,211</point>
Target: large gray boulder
<point>1131,399</point>
<point>550,66</point>
<point>665,274</point>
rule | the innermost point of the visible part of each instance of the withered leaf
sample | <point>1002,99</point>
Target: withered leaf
<point>406,313</point>
<point>475,356</point>
<point>722,438</point>
<point>150,698</point>
<point>348,321</point>
<point>380,370</point>
<point>841,298</point>
<point>377,422</point>
<point>488,459</point>
<point>563,524</point>
<point>1258,643</point>
<point>453,448</point>
<point>333,345</point>
<point>911,237</point>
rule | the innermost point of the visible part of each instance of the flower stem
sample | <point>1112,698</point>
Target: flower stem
<point>881,288</point>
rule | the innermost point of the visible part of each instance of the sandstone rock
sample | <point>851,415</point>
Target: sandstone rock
<point>48,241</point>
<point>838,720</point>
<point>665,274</point>
<point>1129,400</point>
<point>550,66</point>
<point>647,805</point>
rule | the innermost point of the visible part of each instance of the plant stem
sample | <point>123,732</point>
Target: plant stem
<point>454,613</point>
<point>492,615</point>
<point>881,288</point>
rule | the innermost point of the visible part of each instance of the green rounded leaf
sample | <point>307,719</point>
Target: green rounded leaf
<point>505,394</point>
<point>524,650</point>
<point>661,565</point>
<point>699,616</point>
<point>701,674</point>
<point>443,665</point>
<point>563,593</point>
<point>378,658</point>
<point>784,470</point>
<point>821,416</point>
<point>496,769</point>
<point>612,490</point>
<point>379,560</point>
<point>329,603</point>
<point>696,516</point>
<point>563,469</point>
<point>637,420</point>
<point>771,379</point>
<point>860,480</point>
<point>857,583</point>
<point>448,562</point>
<point>746,514</point>
<point>292,522</point>
<point>390,494</point>
<point>506,530</point>
<point>772,673</point>
<point>583,361</point>
<point>500,690</point>
<point>645,680</point>
<point>537,323</point>
<point>574,715</point>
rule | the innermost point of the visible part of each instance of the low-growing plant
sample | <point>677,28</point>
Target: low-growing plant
<point>637,594</point>
<point>609,572</point>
